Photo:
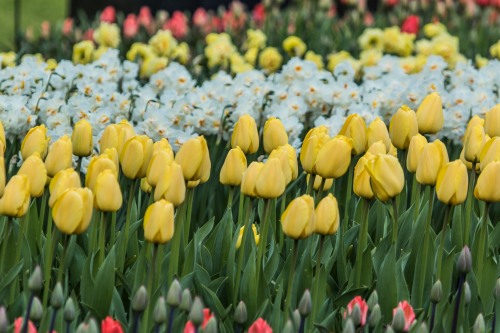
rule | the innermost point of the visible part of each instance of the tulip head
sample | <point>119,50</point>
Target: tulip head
<point>233,168</point>
<point>72,210</point>
<point>474,121</point>
<point>171,185</point>
<point>97,165</point>
<point>288,160</point>
<point>160,159</point>
<point>492,121</point>
<point>317,182</point>
<point>377,131</point>
<point>490,152</point>
<point>417,144</point>
<point>361,180</point>
<point>135,156</point>
<point>2,175</point>
<point>430,115</point>
<point>327,216</point>
<point>63,180</point>
<point>82,138</point>
<point>433,158</point>
<point>298,218</point>
<point>311,145</point>
<point>452,183</point>
<point>34,168</point>
<point>487,188</point>
<point>355,128</point>
<point>245,135</point>
<point>16,197</point>
<point>473,143</point>
<point>403,127</point>
<point>115,136</point>
<point>159,222</point>
<point>270,181</point>
<point>274,134</point>
<point>377,148</point>
<point>386,176</point>
<point>2,137</point>
<point>60,156</point>
<point>36,140</point>
<point>163,145</point>
<point>194,159</point>
<point>250,178</point>
<point>107,192</point>
<point>334,157</point>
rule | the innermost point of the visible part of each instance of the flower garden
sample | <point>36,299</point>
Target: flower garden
<point>258,170</point>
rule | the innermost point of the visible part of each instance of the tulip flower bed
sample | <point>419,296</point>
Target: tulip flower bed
<point>302,201</point>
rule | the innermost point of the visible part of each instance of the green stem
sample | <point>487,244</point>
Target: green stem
<point>79,169</point>
<point>241,254</point>
<point>362,240</point>
<point>395,221</point>
<point>7,230</point>
<point>415,197</point>
<point>240,209</point>
<point>41,218</point>
<point>48,257</point>
<point>102,239</point>
<point>230,197</point>
<point>468,205</point>
<point>93,234</point>
<point>310,184</point>
<point>264,236</point>
<point>150,288</point>
<point>113,230</point>
<point>447,218</point>
<point>281,235</point>
<point>315,294</point>
<point>173,268</point>
<point>348,196</point>
<point>291,273</point>
<point>482,249</point>
<point>22,230</point>
<point>187,221</point>
<point>320,191</point>
<point>62,266</point>
<point>127,224</point>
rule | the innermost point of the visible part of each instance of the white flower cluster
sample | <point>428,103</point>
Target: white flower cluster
<point>172,105</point>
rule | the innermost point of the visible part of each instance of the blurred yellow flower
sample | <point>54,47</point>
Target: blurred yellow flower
<point>434,29</point>
<point>152,65</point>
<point>82,52</point>
<point>163,43</point>
<point>270,59</point>
<point>371,38</point>
<point>316,58</point>
<point>107,34</point>
<point>256,39</point>
<point>294,46</point>
<point>181,53</point>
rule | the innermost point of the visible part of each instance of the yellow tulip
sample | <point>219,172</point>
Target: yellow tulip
<point>317,182</point>
<point>377,131</point>
<point>355,128</point>
<point>473,143</point>
<point>433,157</point>
<point>160,159</point>
<point>34,168</point>
<point>476,120</point>
<point>36,140</point>
<point>430,115</point>
<point>361,181</point>
<point>274,134</point>
<point>163,145</point>
<point>490,152</point>
<point>250,178</point>
<point>107,192</point>
<point>298,219</point>
<point>403,127</point>
<point>292,159</point>
<point>387,178</point>
<point>377,148</point>
<point>256,236</point>
<point>135,156</point>
<point>171,185</point>
<point>63,180</point>
<point>487,188</point>
<point>112,154</point>
<point>82,138</point>
<point>2,137</point>
<point>193,183</point>
<point>60,156</point>
<point>270,181</point>
<point>452,183</point>
<point>234,165</point>
<point>72,210</point>
<point>327,216</point>
<point>194,159</point>
<point>492,121</point>
<point>311,145</point>
<point>334,157</point>
<point>116,135</point>
<point>288,158</point>
<point>97,165</point>
<point>467,163</point>
<point>159,222</point>
<point>417,144</point>
<point>245,135</point>
<point>16,197</point>
<point>2,175</point>
<point>145,187</point>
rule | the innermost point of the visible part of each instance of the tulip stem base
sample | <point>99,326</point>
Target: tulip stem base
<point>62,261</point>
<point>187,221</point>
<point>315,294</point>
<point>362,240</point>
<point>48,257</point>
<point>468,204</point>
<point>127,224</point>
<point>102,239</point>
<point>482,249</point>
<point>6,234</point>
<point>447,218</point>
<point>291,272</point>
<point>348,196</point>
<point>264,236</point>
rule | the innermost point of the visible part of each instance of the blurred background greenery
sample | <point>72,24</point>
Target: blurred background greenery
<point>33,13</point>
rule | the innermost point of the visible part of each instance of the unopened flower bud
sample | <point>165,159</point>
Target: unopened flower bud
<point>479,326</point>
<point>349,326</point>
<point>185,301</point>
<point>211,326</point>
<point>296,318</point>
<point>305,305</point>
<point>36,313</point>
<point>196,312</point>
<point>389,329</point>
<point>160,311</point>
<point>69,310</point>
<point>437,292</point>
<point>240,314</point>
<point>422,328</point>
<point>398,322</point>
<point>372,300</point>
<point>35,281</point>
<point>288,327</point>
<point>4,321</point>
<point>57,298</point>
<point>465,261</point>
<point>375,316</point>
<point>356,315</point>
<point>140,300</point>
<point>467,295</point>
<point>174,294</point>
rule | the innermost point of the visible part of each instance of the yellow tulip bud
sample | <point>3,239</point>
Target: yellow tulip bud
<point>256,236</point>
<point>355,128</point>
<point>274,134</point>
<point>377,131</point>
<point>327,216</point>
<point>97,165</point>
<point>288,160</point>
<point>361,180</point>
<point>2,137</point>
<point>292,159</point>
<point>452,183</point>
<point>467,163</point>
<point>36,140</point>
<point>417,144</point>
<point>2,175</point>
<point>270,181</point>
<point>193,183</point>
<point>171,185</point>
<point>487,188</point>
<point>116,135</point>
<point>234,166</point>
<point>245,135</point>
<point>159,222</point>
<point>82,138</point>
<point>433,157</point>
<point>34,169</point>
<point>311,145</point>
<point>334,157</point>
<point>112,153</point>
<point>72,210</point>
<point>473,143</point>
<point>377,148</point>
<point>474,121</point>
<point>490,152</point>
<point>317,182</point>
<point>107,192</point>
<point>63,180</point>
<point>298,219</point>
<point>16,197</point>
<point>163,145</point>
<point>60,156</point>
<point>492,121</point>
<point>387,178</point>
<point>160,159</point>
<point>250,178</point>
<point>135,156</point>
<point>145,187</point>
<point>194,159</point>
<point>430,115</point>
<point>403,127</point>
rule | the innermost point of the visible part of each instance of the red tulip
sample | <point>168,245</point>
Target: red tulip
<point>18,325</point>
<point>363,307</point>
<point>108,14</point>
<point>408,311</point>
<point>260,326</point>
<point>190,328</point>
<point>411,24</point>
<point>130,26</point>
<point>109,325</point>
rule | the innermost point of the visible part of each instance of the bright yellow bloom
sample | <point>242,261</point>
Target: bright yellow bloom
<point>152,65</point>
<point>490,152</point>
<point>107,192</point>
<point>2,175</point>
<point>194,159</point>
<point>452,183</point>
<point>270,182</point>
<point>16,197</point>
<point>417,144</point>
<point>218,50</point>
<point>159,222</point>
<point>316,58</point>
<point>327,216</point>
<point>115,135</point>
<point>371,38</point>
<point>250,178</point>
<point>256,236</point>
<point>72,211</point>
<point>474,143</point>
<point>370,57</point>
<point>60,156</point>
<point>403,127</point>
<point>63,180</point>
<point>163,43</point>
<point>298,219</point>
<point>476,120</point>
<point>274,134</point>
<point>2,138</point>
<point>34,168</point>
<point>355,128</point>
<point>233,168</point>
<point>492,121</point>
<point>171,185</point>
<point>245,134</point>
<point>377,148</point>
<point>288,158</point>
<point>397,42</point>
<point>181,53</point>
<point>139,50</point>
<point>487,188</point>
<point>36,140</point>
<point>430,114</point>
<point>107,34</point>
<point>135,156</point>
<point>434,29</point>
<point>294,46</point>
<point>314,140</point>
<point>434,156</point>
<point>159,161</point>
<point>377,131</point>
<point>81,138</point>
<point>317,182</point>
<point>82,52</point>
<point>145,187</point>
<point>334,157</point>
<point>256,39</point>
<point>361,181</point>
<point>270,59</point>
<point>97,165</point>
<point>387,178</point>
<point>250,56</point>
